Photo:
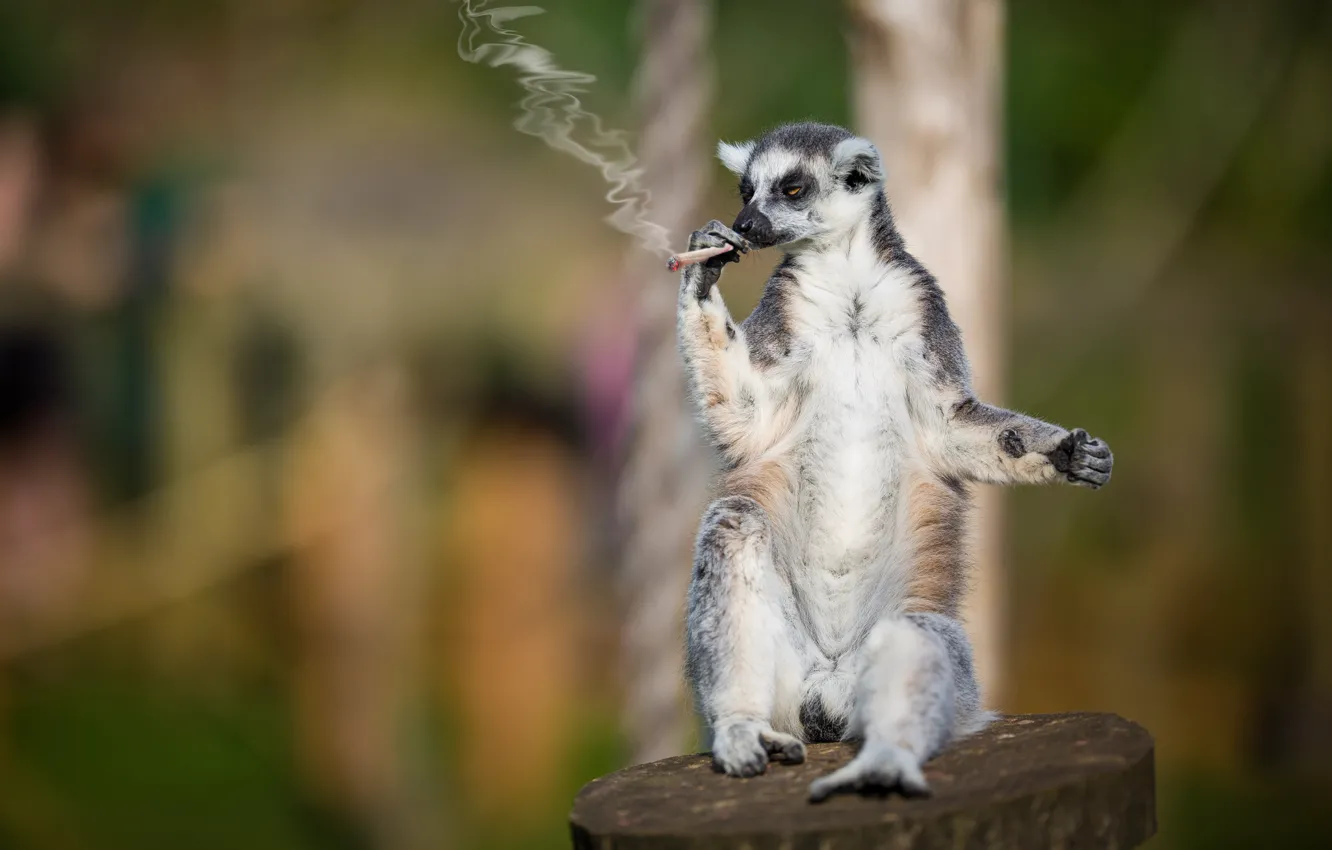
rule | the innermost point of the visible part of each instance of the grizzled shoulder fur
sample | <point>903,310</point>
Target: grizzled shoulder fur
<point>943,340</point>
<point>768,327</point>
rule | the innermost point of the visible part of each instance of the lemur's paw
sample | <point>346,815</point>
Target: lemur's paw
<point>743,749</point>
<point>737,750</point>
<point>787,748</point>
<point>714,234</point>
<point>876,769</point>
<point>1083,459</point>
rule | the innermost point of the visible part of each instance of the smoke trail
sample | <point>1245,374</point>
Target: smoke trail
<point>552,112</point>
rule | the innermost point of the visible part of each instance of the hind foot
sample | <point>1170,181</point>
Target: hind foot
<point>876,768</point>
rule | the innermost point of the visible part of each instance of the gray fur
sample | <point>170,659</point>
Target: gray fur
<point>829,573</point>
<point>943,343</point>
<point>729,523</point>
<point>733,568</point>
<point>967,695</point>
<point>807,138</point>
<point>766,328</point>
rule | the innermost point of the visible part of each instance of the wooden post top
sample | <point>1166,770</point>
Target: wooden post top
<point>1041,780</point>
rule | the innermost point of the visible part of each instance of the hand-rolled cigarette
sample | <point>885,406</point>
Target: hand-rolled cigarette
<point>688,258</point>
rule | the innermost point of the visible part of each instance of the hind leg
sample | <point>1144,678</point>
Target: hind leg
<point>738,642</point>
<point>915,691</point>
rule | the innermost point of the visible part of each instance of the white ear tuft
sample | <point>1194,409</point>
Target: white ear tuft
<point>735,157</point>
<point>858,156</point>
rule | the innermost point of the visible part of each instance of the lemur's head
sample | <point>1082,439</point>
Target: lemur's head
<point>803,181</point>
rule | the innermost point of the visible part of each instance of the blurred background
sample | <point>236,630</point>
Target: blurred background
<point>345,492</point>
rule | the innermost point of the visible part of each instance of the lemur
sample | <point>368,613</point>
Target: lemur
<point>829,573</point>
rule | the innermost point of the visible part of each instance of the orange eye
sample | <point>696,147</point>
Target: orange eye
<point>794,191</point>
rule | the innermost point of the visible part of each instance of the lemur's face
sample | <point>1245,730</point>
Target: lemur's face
<point>802,182</point>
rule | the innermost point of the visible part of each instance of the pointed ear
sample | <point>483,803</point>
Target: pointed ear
<point>735,157</point>
<point>856,162</point>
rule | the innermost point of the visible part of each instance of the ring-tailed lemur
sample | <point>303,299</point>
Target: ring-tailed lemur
<point>828,576</point>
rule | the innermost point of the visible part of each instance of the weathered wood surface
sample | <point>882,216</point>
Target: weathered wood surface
<point>1033,781</point>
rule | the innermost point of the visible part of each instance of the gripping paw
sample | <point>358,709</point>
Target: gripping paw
<point>875,769</point>
<point>743,748</point>
<point>1083,459</point>
<point>714,234</point>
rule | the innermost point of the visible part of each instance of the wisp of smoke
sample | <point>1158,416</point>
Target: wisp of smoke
<point>552,112</point>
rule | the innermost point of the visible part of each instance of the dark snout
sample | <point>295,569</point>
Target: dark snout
<point>752,224</point>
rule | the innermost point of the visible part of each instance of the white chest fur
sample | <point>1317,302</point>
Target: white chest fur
<point>855,320</point>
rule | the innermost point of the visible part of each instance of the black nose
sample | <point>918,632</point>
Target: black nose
<point>744,226</point>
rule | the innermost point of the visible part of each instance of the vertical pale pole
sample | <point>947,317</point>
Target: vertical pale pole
<point>927,89</point>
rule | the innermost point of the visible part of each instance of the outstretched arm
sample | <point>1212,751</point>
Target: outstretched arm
<point>968,440</point>
<point>980,442</point>
<point>725,384</point>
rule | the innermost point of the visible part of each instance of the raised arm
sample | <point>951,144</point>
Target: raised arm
<point>729,391</point>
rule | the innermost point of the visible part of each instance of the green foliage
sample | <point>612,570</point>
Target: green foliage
<point>132,763</point>
<point>1204,811</point>
<point>26,67</point>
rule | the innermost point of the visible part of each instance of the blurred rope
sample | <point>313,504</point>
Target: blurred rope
<point>663,479</point>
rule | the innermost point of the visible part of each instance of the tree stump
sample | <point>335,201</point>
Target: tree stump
<point>1041,780</point>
